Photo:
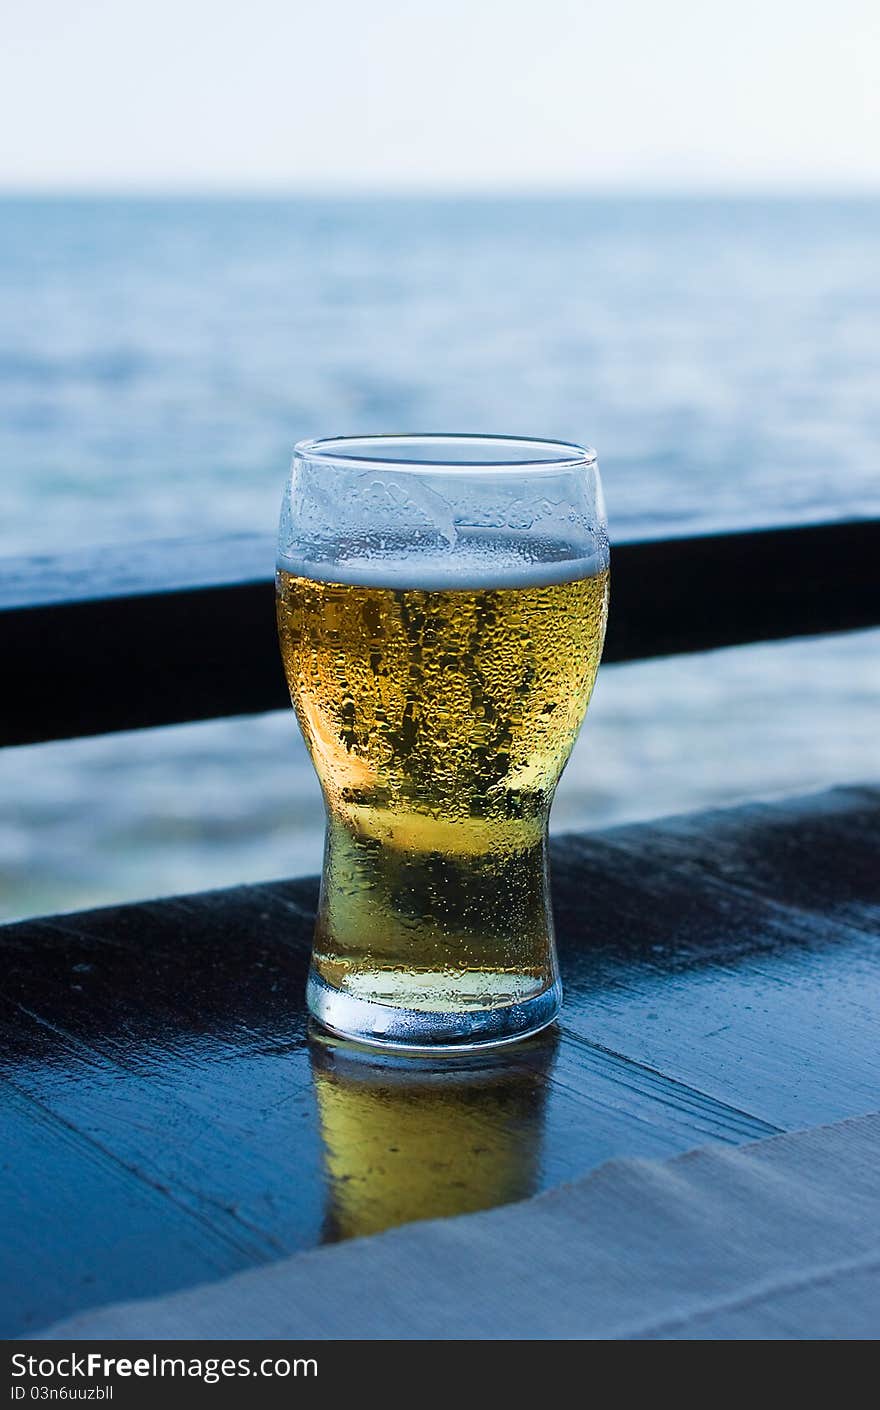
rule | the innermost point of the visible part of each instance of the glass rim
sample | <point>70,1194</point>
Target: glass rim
<point>344,450</point>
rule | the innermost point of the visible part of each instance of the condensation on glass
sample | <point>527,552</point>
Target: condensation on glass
<point>441,608</point>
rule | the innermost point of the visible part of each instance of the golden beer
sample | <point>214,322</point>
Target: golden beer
<point>439,720</point>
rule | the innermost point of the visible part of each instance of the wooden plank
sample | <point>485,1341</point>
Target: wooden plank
<point>78,1227</point>
<point>155,634</point>
<point>164,1047</point>
<point>734,951</point>
<point>679,595</point>
<point>764,850</point>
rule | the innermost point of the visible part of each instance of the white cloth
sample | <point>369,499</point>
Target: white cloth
<point>776,1240</point>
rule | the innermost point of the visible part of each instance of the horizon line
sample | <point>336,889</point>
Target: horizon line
<point>355,191</point>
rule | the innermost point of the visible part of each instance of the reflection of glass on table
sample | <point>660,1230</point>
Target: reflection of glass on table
<point>405,1141</point>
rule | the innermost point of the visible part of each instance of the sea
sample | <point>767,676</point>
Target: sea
<point>159,358</point>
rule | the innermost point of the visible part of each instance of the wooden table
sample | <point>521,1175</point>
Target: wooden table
<point>168,1118</point>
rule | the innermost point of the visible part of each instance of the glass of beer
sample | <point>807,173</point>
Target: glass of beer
<point>441,610</point>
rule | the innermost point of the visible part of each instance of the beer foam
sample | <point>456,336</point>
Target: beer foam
<point>473,560</point>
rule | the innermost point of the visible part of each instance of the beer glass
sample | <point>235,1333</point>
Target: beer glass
<point>441,610</point>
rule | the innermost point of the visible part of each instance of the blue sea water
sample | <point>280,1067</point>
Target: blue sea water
<point>158,358</point>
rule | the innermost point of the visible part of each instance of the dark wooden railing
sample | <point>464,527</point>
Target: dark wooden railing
<point>161,633</point>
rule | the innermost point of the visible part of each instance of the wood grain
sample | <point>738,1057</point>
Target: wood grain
<point>168,1116</point>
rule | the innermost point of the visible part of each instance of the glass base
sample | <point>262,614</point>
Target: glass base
<point>420,1031</point>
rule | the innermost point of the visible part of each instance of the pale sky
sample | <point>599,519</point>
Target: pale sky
<point>416,94</point>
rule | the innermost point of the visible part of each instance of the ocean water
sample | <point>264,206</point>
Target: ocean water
<point>158,359</point>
